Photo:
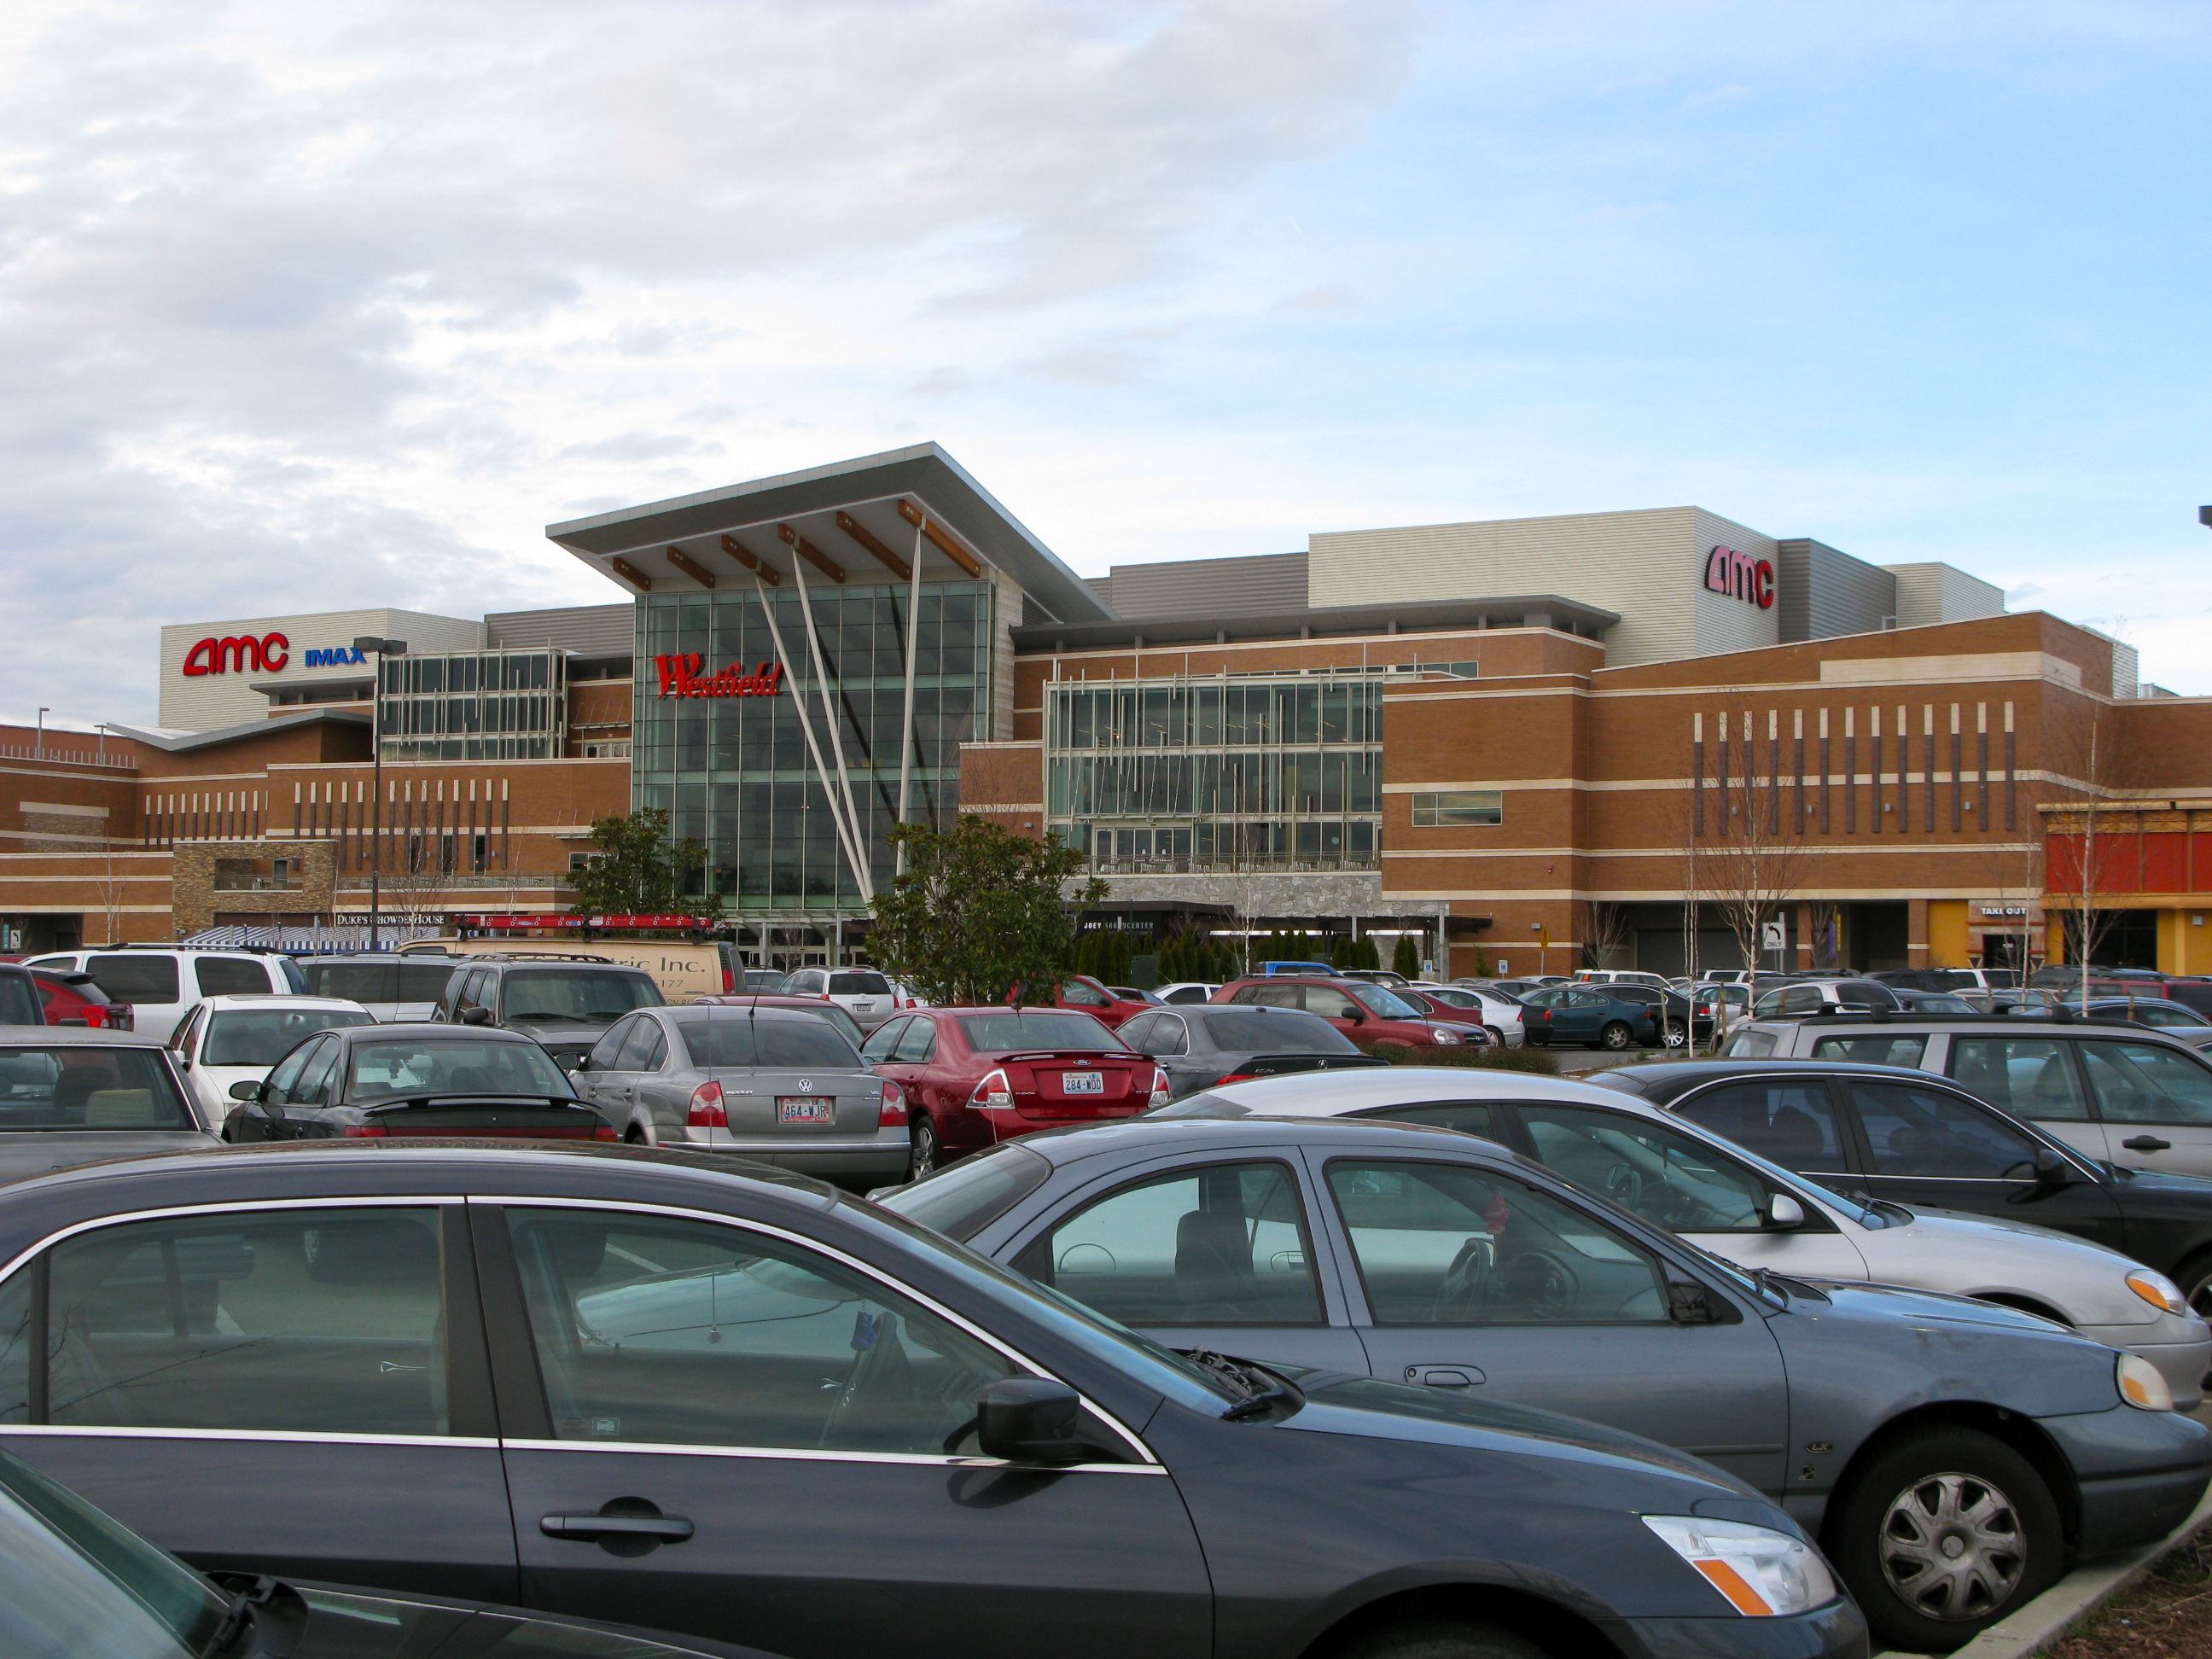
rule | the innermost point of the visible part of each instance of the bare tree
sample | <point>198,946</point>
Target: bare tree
<point>1748,853</point>
<point>2098,767</point>
<point>1605,935</point>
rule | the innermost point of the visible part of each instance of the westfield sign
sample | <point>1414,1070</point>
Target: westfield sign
<point>680,677</point>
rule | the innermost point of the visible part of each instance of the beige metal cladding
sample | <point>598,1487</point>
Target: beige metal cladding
<point>209,702</point>
<point>1935,592</point>
<point>1249,585</point>
<point>1725,622</point>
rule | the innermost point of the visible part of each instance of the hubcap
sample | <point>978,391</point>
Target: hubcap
<point>1952,1548</point>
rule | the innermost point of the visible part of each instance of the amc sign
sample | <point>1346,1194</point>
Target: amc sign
<point>1741,577</point>
<point>241,654</point>
<point>680,677</point>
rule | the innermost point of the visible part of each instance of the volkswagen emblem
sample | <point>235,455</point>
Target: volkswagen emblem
<point>806,1085</point>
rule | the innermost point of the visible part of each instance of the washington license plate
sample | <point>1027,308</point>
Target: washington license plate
<point>803,1108</point>
<point>1083,1083</point>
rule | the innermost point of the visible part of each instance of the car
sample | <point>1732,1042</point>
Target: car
<point>162,981</point>
<point>2176,1019</point>
<point>1388,976</point>
<point>1811,995</point>
<point>1081,992</point>
<point>1688,1017</point>
<point>75,1581</point>
<point>236,1039</point>
<point>1525,988</point>
<point>1372,1014</point>
<point>602,1381</point>
<point>393,987</point>
<point>1621,976</point>
<point>1136,993</point>
<point>82,1095</point>
<point>819,1007</point>
<point>1934,1002</point>
<point>861,992</point>
<point>782,1085</point>
<point>2115,1092</point>
<point>23,999</point>
<point>1596,1016</point>
<point>1462,1010</point>
<point>1689,1177</point>
<point>73,998</point>
<point>565,1001</point>
<point>1948,978</point>
<point>1200,1047</point>
<point>761,979</point>
<point>1499,1010</point>
<point>1874,1414</point>
<point>371,1082</point>
<point>1188,990</point>
<point>972,1077</point>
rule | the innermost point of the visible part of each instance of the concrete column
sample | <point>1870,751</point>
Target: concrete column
<point>1805,964</point>
<point>1915,934</point>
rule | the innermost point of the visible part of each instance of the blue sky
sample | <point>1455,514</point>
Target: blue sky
<point>300,312</point>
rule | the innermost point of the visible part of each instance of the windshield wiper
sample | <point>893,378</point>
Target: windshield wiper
<point>1262,1390</point>
<point>254,1592</point>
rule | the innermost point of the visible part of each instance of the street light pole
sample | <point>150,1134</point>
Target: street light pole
<point>40,751</point>
<point>379,648</point>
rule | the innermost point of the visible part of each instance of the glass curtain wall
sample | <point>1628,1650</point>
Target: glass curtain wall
<point>478,705</point>
<point>734,771</point>
<point>1275,773</point>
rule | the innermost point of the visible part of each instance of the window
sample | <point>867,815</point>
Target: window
<point>1033,1029</point>
<point>15,1349</point>
<point>582,995</point>
<point>1222,1245</point>
<point>1388,1004</point>
<point>453,1066</point>
<point>218,976</point>
<point>1453,808</point>
<point>1270,996</point>
<point>637,1047</point>
<point>1236,1032</point>
<point>684,1332</point>
<point>918,1046</point>
<point>859,985</point>
<point>1077,994</point>
<point>312,1086</point>
<point>129,978</point>
<point>1792,1124</point>
<point>1931,1135</point>
<point>20,1003</point>
<point>419,981</point>
<point>280,1081</point>
<point>1167,1036</point>
<point>1331,1004</point>
<point>356,981</point>
<point>958,1201</point>
<point>2144,1083</point>
<point>1469,1117</point>
<point>261,1037</point>
<point>803,1041</point>
<point>1751,1045</point>
<point>1906,1051</point>
<point>1668,1177</point>
<point>471,988</point>
<point>608,1047</point>
<point>46,1086</point>
<point>327,1321</point>
<point>1451,1244</point>
<point>2028,1077</point>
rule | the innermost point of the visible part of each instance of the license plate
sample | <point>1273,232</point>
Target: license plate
<point>803,1108</point>
<point>1083,1083</point>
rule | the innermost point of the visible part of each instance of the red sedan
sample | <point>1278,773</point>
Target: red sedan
<point>1366,1013</point>
<point>1082,991</point>
<point>72,999</point>
<point>973,1077</point>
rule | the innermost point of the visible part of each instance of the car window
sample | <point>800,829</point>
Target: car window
<point>279,1082</point>
<point>312,1087</point>
<point>419,981</point>
<point>1454,999</point>
<point>323,1321</point>
<point>1036,1029</point>
<point>1386,1003</point>
<point>1453,1244</point>
<point>686,1333</point>
<point>859,985</point>
<point>1329,1003</point>
<point>185,1037</point>
<point>20,1001</point>
<point>1665,1176</point>
<point>261,1037</point>
<point>1222,1245</point>
<point>1801,999</point>
<point>1186,993</point>
<point>2146,1082</point>
<point>883,1041</point>
<point>1878,1049</point>
<point>1865,993</point>
<point>1270,996</point>
<point>471,989</point>
<point>1933,1135</point>
<point>2028,1077</point>
<point>1077,994</point>
<point>608,1047</point>
<point>637,1047</point>
<point>55,1086</point>
<point>918,1046</point>
<point>786,1041</point>
<point>1769,1004</point>
<point>1751,1045</point>
<point>1134,1032</point>
<point>1280,1031</point>
<point>1470,1117</point>
<point>583,994</point>
<point>218,976</point>
<point>965,1197</point>
<point>1788,1123</point>
<point>1170,1036</point>
<point>356,981</point>
<point>656,1048</point>
<point>452,1066</point>
<point>130,978</point>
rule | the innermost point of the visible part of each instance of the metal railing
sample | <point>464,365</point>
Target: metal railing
<point>25,751</point>
<point>259,883</point>
<point>1250,865</point>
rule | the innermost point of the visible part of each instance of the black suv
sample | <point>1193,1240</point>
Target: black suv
<point>566,1002</point>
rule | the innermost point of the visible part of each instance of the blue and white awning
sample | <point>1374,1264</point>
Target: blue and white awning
<point>311,941</point>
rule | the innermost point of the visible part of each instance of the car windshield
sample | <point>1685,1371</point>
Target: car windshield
<point>793,1040</point>
<point>1452,998</point>
<point>586,995</point>
<point>451,1066</point>
<point>261,1037</point>
<point>1237,1031</point>
<point>74,1581</point>
<point>1388,1004</point>
<point>50,1086</point>
<point>1036,1029</point>
<point>962,1198</point>
<point>859,985</point>
<point>379,982</point>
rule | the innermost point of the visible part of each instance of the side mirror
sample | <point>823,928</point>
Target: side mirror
<point>476,1015</point>
<point>1029,1419</point>
<point>1783,1214</point>
<point>2050,1171</point>
<point>576,1062</point>
<point>247,1090</point>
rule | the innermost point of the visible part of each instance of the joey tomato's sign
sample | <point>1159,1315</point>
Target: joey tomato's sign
<point>680,677</point>
<point>1741,577</point>
<point>241,653</point>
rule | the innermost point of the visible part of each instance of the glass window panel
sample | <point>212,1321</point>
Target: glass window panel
<point>1674,1180</point>
<point>2143,1083</point>
<point>2027,1077</point>
<point>1906,1051</point>
<point>1792,1124</point>
<point>1918,1132</point>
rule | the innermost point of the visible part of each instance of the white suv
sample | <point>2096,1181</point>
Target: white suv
<point>163,982</point>
<point>861,992</point>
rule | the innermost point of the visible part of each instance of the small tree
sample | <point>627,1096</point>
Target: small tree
<point>641,870</point>
<point>1609,935</point>
<point>1407,959</point>
<point>980,911</point>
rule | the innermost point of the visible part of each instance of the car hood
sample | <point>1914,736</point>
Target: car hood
<point>1903,1304</point>
<point>1951,1229</point>
<point>27,1152</point>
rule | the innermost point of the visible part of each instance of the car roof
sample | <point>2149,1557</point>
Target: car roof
<point>1327,1094</point>
<point>75,1036</point>
<point>1072,1142</point>
<point>1669,1079</point>
<point>352,957</point>
<point>263,998</point>
<point>423,1031</point>
<point>735,1012</point>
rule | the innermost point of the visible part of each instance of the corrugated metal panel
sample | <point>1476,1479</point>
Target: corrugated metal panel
<point>1934,592</point>
<point>1827,593</point>
<point>1250,584</point>
<point>589,630</point>
<point>209,702</point>
<point>1725,622</point>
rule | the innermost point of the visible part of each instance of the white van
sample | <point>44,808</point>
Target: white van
<point>163,982</point>
<point>683,971</point>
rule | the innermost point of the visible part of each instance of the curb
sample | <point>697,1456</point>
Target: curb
<point>2070,1600</point>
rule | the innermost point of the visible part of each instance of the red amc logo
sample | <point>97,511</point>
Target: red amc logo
<point>679,678</point>
<point>265,655</point>
<point>1741,577</point>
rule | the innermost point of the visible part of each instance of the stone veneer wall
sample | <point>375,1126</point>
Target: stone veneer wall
<point>196,900</point>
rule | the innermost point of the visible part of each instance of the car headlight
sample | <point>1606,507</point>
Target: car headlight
<point>1764,1574</point>
<point>2141,1384</point>
<point>2158,1290</point>
<point>1441,1035</point>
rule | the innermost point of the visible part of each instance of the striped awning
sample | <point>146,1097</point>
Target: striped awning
<point>311,941</point>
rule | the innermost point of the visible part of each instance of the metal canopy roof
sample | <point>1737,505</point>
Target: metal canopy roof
<point>837,511</point>
<point>1536,610</point>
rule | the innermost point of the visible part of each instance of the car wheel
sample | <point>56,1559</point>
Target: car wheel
<point>1615,1035</point>
<point>927,1154</point>
<point>2195,1278</point>
<point>1676,1036</point>
<point>1497,1037</point>
<point>1943,1534</point>
<point>1443,1638</point>
<point>634,1136</point>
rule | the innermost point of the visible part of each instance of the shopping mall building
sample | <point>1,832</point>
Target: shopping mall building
<point>1525,740</point>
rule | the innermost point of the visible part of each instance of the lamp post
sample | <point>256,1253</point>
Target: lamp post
<point>379,648</point>
<point>40,751</point>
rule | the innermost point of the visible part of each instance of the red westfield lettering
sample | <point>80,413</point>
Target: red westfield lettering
<point>680,677</point>
<point>239,653</point>
<point>1741,577</point>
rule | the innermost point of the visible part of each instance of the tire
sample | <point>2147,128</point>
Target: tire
<point>1616,1036</point>
<point>1677,1037</point>
<point>2195,1278</point>
<point>1443,1638</point>
<point>928,1150</point>
<point>1891,1533</point>
<point>1497,1037</point>
<point>634,1136</point>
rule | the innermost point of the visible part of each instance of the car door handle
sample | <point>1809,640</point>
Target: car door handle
<point>1444,1377</point>
<point>590,1529</point>
<point>2145,1144</point>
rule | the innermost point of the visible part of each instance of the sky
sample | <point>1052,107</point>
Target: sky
<point>333,305</point>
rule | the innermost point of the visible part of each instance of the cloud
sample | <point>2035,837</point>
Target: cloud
<point>944,381</point>
<point>1723,94</point>
<point>1333,297</point>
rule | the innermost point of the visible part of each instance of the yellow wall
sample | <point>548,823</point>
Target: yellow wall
<point>1946,932</point>
<point>2183,947</point>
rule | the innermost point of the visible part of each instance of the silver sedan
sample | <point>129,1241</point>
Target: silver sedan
<point>780,1085</point>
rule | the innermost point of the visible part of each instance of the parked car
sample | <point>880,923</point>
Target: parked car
<point>371,1082</point>
<point>1874,1413</point>
<point>83,1095</point>
<point>759,979</point>
<point>1188,990</point>
<point>1081,992</point>
<point>2176,1019</point>
<point>566,1002</point>
<point>1949,979</point>
<point>605,1384</point>
<point>1372,1014</point>
<point>22,999</point>
<point>817,1006</point>
<point>1932,1002</point>
<point>1596,1016</point>
<point>1620,976</point>
<point>1901,1135</point>
<point>1136,993</point>
<point>1525,987</point>
<point>236,1039</point>
<point>1461,1011</point>
<point>393,987</point>
<point>75,1581</point>
<point>70,999</point>
<point>975,1076</point>
<point>1200,1047</point>
<point>2116,1093</point>
<point>683,969</point>
<point>1499,1010</point>
<point>162,981</point>
<point>1374,975</point>
<point>780,1085</point>
<point>1811,994</point>
<point>861,992</point>
<point>1692,1179</point>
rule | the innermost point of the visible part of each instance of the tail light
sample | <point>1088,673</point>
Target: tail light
<point>364,1132</point>
<point>115,1016</point>
<point>729,980</point>
<point>707,1110</point>
<point>606,1132</point>
<point>1236,1077</point>
<point>992,1094</point>
<point>1159,1089</point>
<point>894,1107</point>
